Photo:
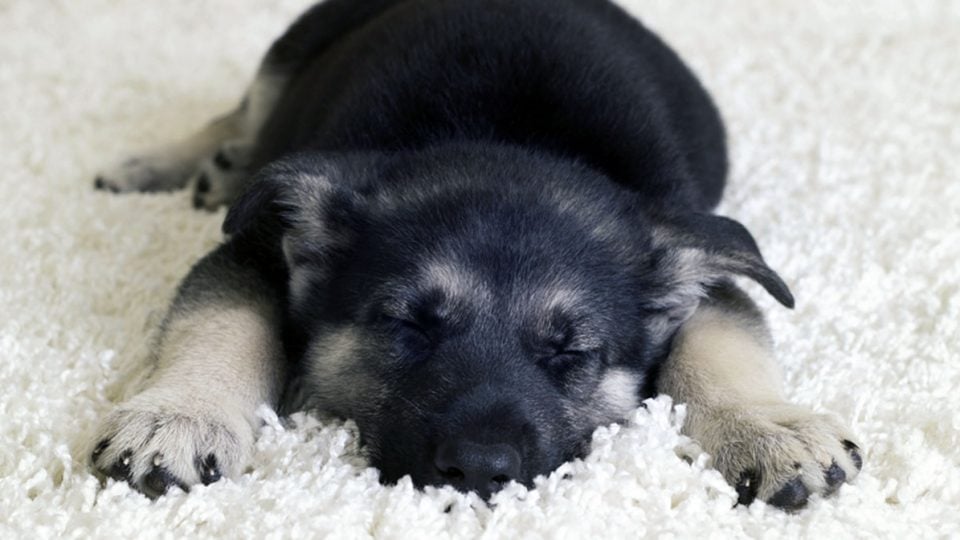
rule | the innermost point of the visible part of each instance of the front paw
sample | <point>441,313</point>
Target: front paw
<point>155,441</point>
<point>781,454</point>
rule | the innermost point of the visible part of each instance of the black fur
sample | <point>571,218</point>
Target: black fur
<point>574,78</point>
<point>538,145</point>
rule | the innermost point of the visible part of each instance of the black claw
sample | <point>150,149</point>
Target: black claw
<point>209,469</point>
<point>203,183</point>
<point>854,452</point>
<point>747,487</point>
<point>97,450</point>
<point>158,481</point>
<point>121,468</point>
<point>792,496</point>
<point>100,183</point>
<point>220,160</point>
<point>834,476</point>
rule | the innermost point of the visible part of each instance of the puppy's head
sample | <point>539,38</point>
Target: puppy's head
<point>479,312</point>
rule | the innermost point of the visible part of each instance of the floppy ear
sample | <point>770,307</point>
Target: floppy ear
<point>303,203</point>
<point>697,251</point>
<point>293,192</point>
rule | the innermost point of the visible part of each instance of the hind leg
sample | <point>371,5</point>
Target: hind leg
<point>222,172</point>
<point>170,166</point>
<point>221,178</point>
<point>220,150</point>
<point>216,160</point>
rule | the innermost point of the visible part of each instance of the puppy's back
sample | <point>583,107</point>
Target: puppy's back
<point>578,78</point>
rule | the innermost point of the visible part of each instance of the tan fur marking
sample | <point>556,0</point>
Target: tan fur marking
<point>214,367</point>
<point>456,282</point>
<point>722,368</point>
<point>727,357</point>
<point>619,390</point>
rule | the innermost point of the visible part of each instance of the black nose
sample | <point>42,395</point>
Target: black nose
<point>470,466</point>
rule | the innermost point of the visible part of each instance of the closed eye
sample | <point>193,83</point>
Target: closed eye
<point>409,342</point>
<point>563,360</point>
<point>398,324</point>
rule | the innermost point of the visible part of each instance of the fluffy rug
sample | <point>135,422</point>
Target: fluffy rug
<point>844,120</point>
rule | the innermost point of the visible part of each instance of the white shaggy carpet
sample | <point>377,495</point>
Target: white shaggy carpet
<point>844,120</point>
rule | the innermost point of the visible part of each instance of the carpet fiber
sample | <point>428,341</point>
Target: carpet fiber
<point>844,120</point>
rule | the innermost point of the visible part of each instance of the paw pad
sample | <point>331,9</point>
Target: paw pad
<point>854,452</point>
<point>209,470</point>
<point>792,496</point>
<point>834,477</point>
<point>159,480</point>
<point>121,467</point>
<point>747,487</point>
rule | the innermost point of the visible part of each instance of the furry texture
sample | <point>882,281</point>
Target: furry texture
<point>842,122</point>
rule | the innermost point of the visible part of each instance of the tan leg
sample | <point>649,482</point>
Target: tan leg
<point>218,359</point>
<point>213,160</point>
<point>722,367</point>
<point>169,167</point>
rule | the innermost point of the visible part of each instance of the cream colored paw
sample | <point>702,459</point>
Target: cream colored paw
<point>781,454</point>
<point>160,439</point>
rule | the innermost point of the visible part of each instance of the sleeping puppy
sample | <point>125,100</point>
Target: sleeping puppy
<point>480,229</point>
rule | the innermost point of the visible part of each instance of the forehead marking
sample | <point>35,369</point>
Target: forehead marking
<point>596,218</point>
<point>559,298</point>
<point>456,282</point>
